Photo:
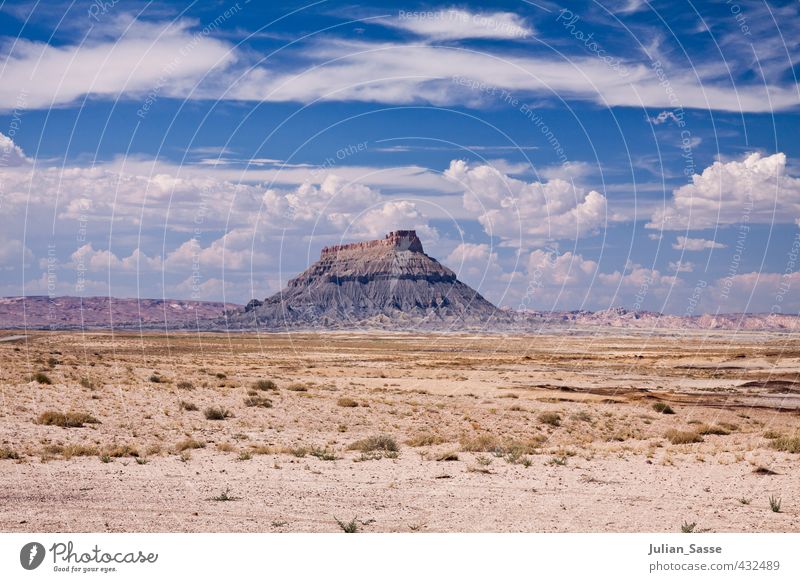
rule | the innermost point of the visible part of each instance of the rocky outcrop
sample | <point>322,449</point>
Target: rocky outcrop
<point>389,282</point>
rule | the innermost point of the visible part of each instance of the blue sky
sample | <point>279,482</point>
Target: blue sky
<point>576,156</point>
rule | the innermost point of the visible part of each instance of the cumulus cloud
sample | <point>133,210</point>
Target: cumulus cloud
<point>455,23</point>
<point>683,243</point>
<point>519,211</point>
<point>11,154</point>
<point>568,281</point>
<point>93,259</point>
<point>756,189</point>
<point>14,254</point>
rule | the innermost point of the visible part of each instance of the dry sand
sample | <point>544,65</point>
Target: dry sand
<point>495,433</point>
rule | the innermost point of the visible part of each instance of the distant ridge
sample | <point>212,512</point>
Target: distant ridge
<point>66,312</point>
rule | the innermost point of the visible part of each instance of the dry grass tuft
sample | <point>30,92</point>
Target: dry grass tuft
<point>185,385</point>
<point>380,442</point>
<point>663,408</point>
<point>216,413</point>
<point>264,385</point>
<point>187,444</point>
<point>297,388</point>
<point>682,437</point>
<point>258,401</point>
<point>346,402</point>
<point>425,439</point>
<point>8,453</point>
<point>712,429</point>
<point>42,378</point>
<point>66,419</point>
<point>550,418</point>
<point>787,444</point>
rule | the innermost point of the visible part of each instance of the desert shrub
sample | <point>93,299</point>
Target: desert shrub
<point>220,375</point>
<point>258,401</point>
<point>121,451</point>
<point>775,504</point>
<point>66,419</point>
<point>216,413</point>
<point>712,429</point>
<point>375,443</point>
<point>8,453</point>
<point>42,378</point>
<point>297,388</point>
<point>86,382</point>
<point>265,385</point>
<point>69,451</point>
<point>582,416</point>
<point>187,444</point>
<point>772,434</point>
<point>185,385</point>
<point>447,456</point>
<point>156,379</point>
<point>787,444</point>
<point>682,437</point>
<point>323,454</point>
<point>425,439</point>
<point>346,402</point>
<point>663,408</point>
<point>225,447</point>
<point>483,443</point>
<point>551,418</point>
<point>347,527</point>
<point>190,406</point>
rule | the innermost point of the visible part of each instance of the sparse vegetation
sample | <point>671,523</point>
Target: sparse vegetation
<point>8,453</point>
<point>688,527</point>
<point>224,496</point>
<point>787,444</point>
<point>447,456</point>
<point>347,527</point>
<point>775,504</point>
<point>66,419</point>
<point>706,429</point>
<point>216,413</point>
<point>297,388</point>
<point>185,385</point>
<point>682,437</point>
<point>264,385</point>
<point>375,443</point>
<point>663,408</point>
<point>156,379</point>
<point>425,439</point>
<point>187,444</point>
<point>258,402</point>
<point>346,402</point>
<point>549,418</point>
<point>42,378</point>
<point>323,454</point>
<point>188,406</point>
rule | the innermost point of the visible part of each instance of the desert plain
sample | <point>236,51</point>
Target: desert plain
<point>601,430</point>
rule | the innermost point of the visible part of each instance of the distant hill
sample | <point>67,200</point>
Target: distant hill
<point>385,283</point>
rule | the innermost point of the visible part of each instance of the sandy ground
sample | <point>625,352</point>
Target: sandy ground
<point>492,433</point>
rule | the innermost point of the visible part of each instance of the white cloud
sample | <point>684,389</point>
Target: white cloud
<point>683,243</point>
<point>519,211</point>
<point>14,254</point>
<point>11,154</point>
<point>756,189</point>
<point>681,266</point>
<point>93,259</point>
<point>148,61</point>
<point>569,281</point>
<point>454,23</point>
<point>164,59</point>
